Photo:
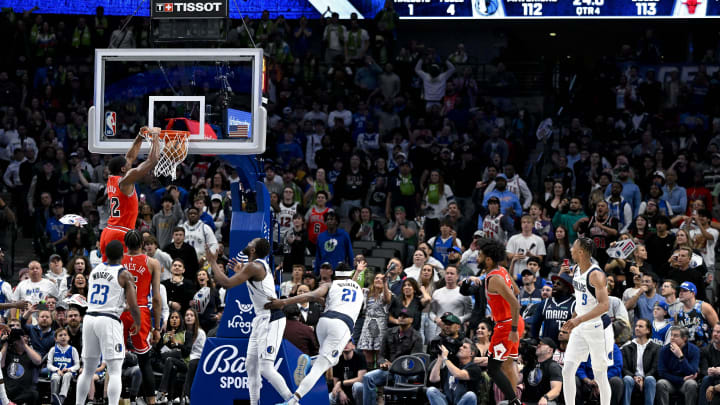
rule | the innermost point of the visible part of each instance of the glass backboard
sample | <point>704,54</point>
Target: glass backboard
<point>214,94</point>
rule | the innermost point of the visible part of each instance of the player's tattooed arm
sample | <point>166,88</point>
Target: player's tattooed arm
<point>317,295</point>
<point>126,282</point>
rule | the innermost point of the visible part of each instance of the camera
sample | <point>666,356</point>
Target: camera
<point>15,335</point>
<point>527,349</point>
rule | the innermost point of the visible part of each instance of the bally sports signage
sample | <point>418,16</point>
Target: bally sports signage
<point>189,9</point>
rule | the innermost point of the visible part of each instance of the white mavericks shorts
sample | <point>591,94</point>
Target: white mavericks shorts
<point>102,335</point>
<point>333,335</point>
<point>590,338</point>
<point>266,337</point>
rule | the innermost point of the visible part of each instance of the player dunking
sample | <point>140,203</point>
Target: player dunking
<point>109,287</point>
<point>343,301</point>
<point>120,189</point>
<point>501,294</point>
<point>590,330</point>
<point>268,326</point>
<point>145,272</point>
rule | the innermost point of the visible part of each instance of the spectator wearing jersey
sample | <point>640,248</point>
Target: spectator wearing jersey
<point>601,228</point>
<point>496,225</point>
<point>198,234</point>
<point>334,245</point>
<point>552,313</point>
<point>678,366</point>
<point>640,360</point>
<point>698,317</point>
<point>630,191</point>
<point>315,217</point>
<point>619,207</point>
<point>444,242</point>
<point>523,246</point>
<point>179,249</point>
<point>568,215</point>
<point>509,201</point>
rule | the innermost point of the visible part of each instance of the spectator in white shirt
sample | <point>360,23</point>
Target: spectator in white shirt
<point>524,245</point>
<point>340,112</point>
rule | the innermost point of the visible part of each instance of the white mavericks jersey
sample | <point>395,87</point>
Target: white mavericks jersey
<point>585,297</point>
<point>262,291</point>
<point>345,297</point>
<point>105,293</point>
<point>284,218</point>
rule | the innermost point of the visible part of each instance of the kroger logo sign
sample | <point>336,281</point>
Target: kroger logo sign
<point>237,321</point>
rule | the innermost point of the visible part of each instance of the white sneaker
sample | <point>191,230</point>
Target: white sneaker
<point>161,398</point>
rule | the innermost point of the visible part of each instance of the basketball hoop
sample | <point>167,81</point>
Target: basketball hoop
<point>173,150</point>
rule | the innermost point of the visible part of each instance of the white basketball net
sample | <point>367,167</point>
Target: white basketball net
<point>173,150</point>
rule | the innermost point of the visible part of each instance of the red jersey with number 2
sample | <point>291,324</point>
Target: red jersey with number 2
<point>123,208</point>
<point>138,268</point>
<point>499,307</point>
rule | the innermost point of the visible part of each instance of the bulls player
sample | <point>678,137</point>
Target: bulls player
<point>502,294</point>
<point>145,272</point>
<point>590,330</point>
<point>268,326</point>
<point>110,288</point>
<point>343,301</point>
<point>121,189</point>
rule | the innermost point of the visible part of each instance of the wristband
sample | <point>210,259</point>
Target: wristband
<point>546,397</point>
<point>513,328</point>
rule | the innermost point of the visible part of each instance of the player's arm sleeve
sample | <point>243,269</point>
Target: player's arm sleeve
<point>165,306</point>
<point>76,361</point>
<point>50,360</point>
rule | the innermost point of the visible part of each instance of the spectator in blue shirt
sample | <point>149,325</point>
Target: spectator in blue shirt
<point>645,298</point>
<point>55,229</point>
<point>587,377</point>
<point>334,245</point>
<point>630,191</point>
<point>678,366</point>
<point>509,201</point>
<point>289,151</point>
<point>675,194</point>
<point>42,336</point>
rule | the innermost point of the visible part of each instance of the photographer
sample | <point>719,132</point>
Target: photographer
<point>542,384</point>
<point>458,381</point>
<point>19,364</point>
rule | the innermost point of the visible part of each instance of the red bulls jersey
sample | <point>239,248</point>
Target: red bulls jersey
<point>123,208</point>
<point>499,307</point>
<point>138,267</point>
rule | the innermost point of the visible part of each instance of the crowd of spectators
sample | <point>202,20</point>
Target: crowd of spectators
<point>372,140</point>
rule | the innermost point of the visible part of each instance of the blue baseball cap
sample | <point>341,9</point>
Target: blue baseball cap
<point>689,286</point>
<point>456,249</point>
<point>663,305</point>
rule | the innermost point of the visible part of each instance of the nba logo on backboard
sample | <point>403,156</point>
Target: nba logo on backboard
<point>110,123</point>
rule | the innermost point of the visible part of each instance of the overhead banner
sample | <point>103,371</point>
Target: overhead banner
<point>189,9</point>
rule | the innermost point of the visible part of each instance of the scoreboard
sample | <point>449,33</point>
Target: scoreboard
<point>529,9</point>
<point>407,9</point>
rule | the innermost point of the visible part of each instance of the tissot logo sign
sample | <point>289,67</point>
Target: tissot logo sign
<point>185,9</point>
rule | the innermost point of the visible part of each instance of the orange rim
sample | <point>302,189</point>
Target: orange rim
<point>170,134</point>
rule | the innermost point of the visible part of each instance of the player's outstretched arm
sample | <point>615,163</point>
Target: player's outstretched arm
<point>136,174</point>
<point>126,282</point>
<point>243,271</point>
<point>317,294</point>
